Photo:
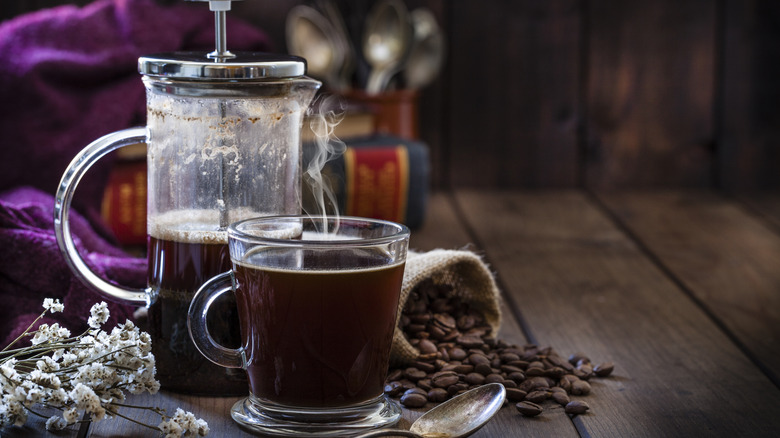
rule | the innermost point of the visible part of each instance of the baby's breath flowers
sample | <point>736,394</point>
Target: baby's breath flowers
<point>85,374</point>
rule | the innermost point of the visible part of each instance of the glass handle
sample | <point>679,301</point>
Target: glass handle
<point>70,180</point>
<point>199,331</point>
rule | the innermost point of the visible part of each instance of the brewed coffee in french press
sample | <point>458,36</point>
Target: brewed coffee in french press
<point>223,144</point>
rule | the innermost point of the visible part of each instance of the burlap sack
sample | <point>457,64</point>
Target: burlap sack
<point>469,278</point>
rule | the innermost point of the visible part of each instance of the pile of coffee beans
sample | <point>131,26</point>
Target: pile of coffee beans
<point>458,352</point>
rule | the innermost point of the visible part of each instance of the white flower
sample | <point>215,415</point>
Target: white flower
<point>84,397</point>
<point>8,369</point>
<point>71,415</point>
<point>52,305</point>
<point>41,335</point>
<point>47,364</point>
<point>57,398</point>
<point>189,424</point>
<point>99,314</point>
<point>56,423</point>
<point>170,428</point>
<point>84,375</point>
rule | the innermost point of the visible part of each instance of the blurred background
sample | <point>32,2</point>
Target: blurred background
<point>600,94</point>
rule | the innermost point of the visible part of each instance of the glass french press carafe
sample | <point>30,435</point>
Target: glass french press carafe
<point>223,144</point>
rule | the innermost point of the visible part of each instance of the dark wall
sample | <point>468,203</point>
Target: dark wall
<point>594,93</point>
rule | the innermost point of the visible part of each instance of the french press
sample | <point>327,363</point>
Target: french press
<point>223,144</point>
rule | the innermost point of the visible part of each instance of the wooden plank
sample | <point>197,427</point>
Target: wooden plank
<point>513,71</point>
<point>766,205</point>
<point>728,259</point>
<point>650,88</point>
<point>582,284</point>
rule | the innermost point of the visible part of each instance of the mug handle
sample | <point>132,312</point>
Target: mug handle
<point>70,180</point>
<point>199,331</point>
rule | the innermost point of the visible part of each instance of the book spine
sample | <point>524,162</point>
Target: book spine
<point>379,177</point>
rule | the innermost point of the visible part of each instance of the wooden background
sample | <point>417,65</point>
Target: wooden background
<point>600,94</point>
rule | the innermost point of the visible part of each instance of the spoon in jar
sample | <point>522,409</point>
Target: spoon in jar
<point>386,42</point>
<point>456,418</point>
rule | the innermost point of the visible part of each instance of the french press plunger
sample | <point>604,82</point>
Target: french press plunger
<point>223,144</point>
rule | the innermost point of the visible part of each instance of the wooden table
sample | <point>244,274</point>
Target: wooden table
<point>681,290</point>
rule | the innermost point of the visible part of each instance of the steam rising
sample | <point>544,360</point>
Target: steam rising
<point>324,115</point>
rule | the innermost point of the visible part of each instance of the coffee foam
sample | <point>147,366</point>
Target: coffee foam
<point>195,226</point>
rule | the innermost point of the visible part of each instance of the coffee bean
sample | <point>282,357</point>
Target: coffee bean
<point>522,364</point>
<point>494,378</point>
<point>415,328</point>
<point>537,396</point>
<point>463,369</point>
<point>579,356</point>
<point>413,400</point>
<point>580,387</point>
<point>457,353</point>
<point>420,318</point>
<point>584,371</point>
<point>529,409</point>
<point>558,361</point>
<point>478,359</point>
<point>426,367</point>
<point>509,383</point>
<point>445,381</point>
<point>483,369</point>
<point>515,395</point>
<point>426,347</point>
<point>394,389</point>
<point>509,357</point>
<point>416,390</point>
<point>561,398</point>
<point>534,383</point>
<point>444,321</point>
<point>407,384</point>
<point>576,407</point>
<point>414,374</point>
<point>475,379</point>
<point>436,332</point>
<point>425,384</point>
<point>438,395</point>
<point>604,369</point>
<point>555,372</point>
<point>517,377</point>
<point>456,388</point>
<point>466,322</point>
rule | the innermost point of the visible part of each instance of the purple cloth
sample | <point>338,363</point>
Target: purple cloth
<point>68,76</point>
<point>32,268</point>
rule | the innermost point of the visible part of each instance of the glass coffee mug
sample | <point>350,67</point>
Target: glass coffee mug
<point>317,301</point>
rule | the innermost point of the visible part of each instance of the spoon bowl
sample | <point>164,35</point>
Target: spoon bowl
<point>386,42</point>
<point>426,55</point>
<point>311,36</point>
<point>458,417</point>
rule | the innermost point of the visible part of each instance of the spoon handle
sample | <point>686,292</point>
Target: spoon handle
<point>389,432</point>
<point>378,79</point>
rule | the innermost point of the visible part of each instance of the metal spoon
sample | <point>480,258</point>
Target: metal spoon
<point>427,53</point>
<point>386,42</point>
<point>311,36</point>
<point>456,418</point>
<point>341,36</point>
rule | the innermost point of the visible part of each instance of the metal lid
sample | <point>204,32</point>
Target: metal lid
<point>242,66</point>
